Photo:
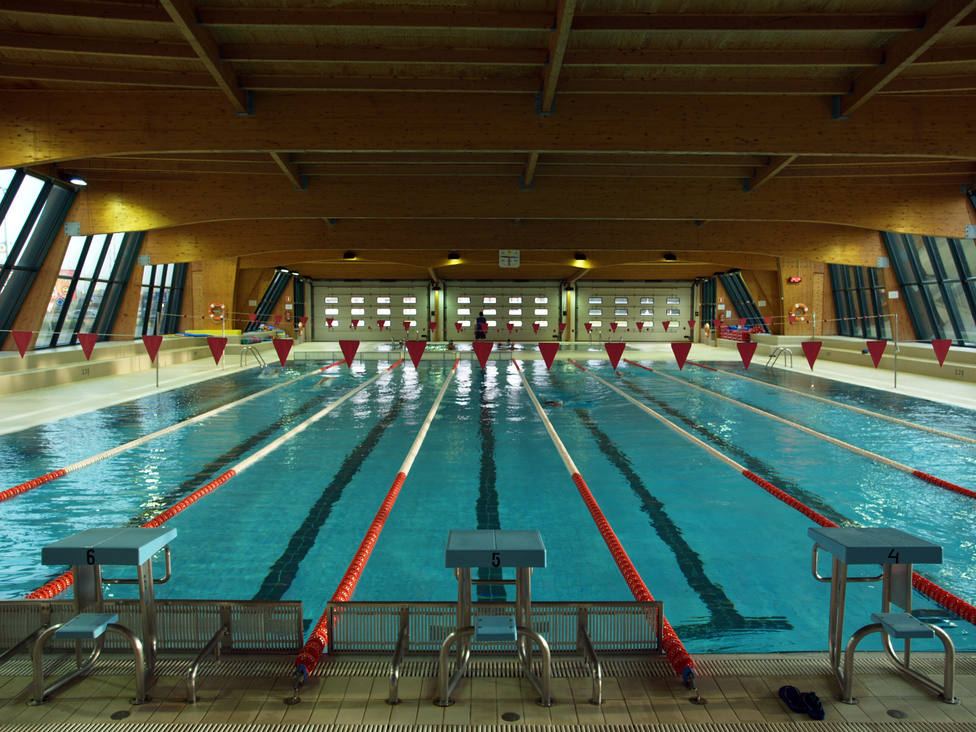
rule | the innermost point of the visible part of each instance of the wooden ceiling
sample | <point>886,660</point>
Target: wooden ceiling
<point>454,122</point>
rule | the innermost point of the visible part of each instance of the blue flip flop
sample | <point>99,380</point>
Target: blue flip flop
<point>813,705</point>
<point>792,697</point>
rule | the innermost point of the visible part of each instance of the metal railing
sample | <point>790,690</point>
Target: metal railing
<point>585,629</point>
<point>254,352</point>
<point>783,351</point>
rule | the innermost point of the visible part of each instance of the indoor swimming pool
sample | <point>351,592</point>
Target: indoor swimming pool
<point>730,562</point>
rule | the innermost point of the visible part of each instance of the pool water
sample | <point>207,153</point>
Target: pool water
<point>730,562</point>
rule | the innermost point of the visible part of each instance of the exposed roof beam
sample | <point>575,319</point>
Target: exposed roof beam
<point>372,54</point>
<point>903,50</point>
<point>748,21</point>
<point>112,77</point>
<point>774,167</point>
<point>91,10</point>
<point>413,17</point>
<point>558,41</point>
<point>528,174</point>
<point>724,57</point>
<point>290,170</point>
<point>100,46</point>
<point>203,43</point>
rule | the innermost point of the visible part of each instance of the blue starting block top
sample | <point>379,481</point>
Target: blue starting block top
<point>494,548</point>
<point>875,545</point>
<point>121,545</point>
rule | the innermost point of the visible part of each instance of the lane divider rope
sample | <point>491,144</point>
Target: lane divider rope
<point>927,587</point>
<point>318,640</point>
<point>832,440</point>
<point>681,661</point>
<point>61,583</point>
<point>61,472</point>
<point>859,410</point>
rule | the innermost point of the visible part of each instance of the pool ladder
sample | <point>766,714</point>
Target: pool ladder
<point>254,352</point>
<point>783,351</point>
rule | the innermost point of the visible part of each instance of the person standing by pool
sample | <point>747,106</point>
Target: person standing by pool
<point>481,327</point>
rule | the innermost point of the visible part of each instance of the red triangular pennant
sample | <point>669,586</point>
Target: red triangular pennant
<point>458,325</point>
<point>277,319</point>
<point>941,348</point>
<point>718,323</point>
<point>87,341</point>
<point>535,327</point>
<point>548,353</point>
<point>746,352</point>
<point>22,339</point>
<point>329,322</point>
<point>876,348</point>
<point>665,323</point>
<point>355,324</point>
<point>217,346</point>
<point>792,319</point>
<point>562,327</point>
<point>588,326</point>
<point>769,321</point>
<point>680,350</point>
<point>510,326</point>
<point>416,351</point>
<point>304,319</point>
<point>282,348</point>
<point>691,324</point>
<point>432,325</point>
<point>482,350</point>
<point>640,326</point>
<point>613,327</point>
<point>406,325</point>
<point>811,349</point>
<point>615,351</point>
<point>742,322</point>
<point>252,316</point>
<point>349,349</point>
<point>152,344</point>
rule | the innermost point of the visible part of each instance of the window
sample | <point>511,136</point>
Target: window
<point>410,311</point>
<point>621,323</point>
<point>647,301</point>
<point>516,323</point>
<point>489,301</point>
<point>465,323</point>
<point>331,300</point>
<point>357,300</point>
<point>541,311</point>
<point>412,300</point>
<point>621,311</point>
<point>620,301</point>
<point>491,323</point>
<point>86,295</point>
<point>332,311</point>
<point>595,323</point>
<point>32,210</point>
<point>382,300</point>
<point>938,282</point>
<point>515,311</point>
<point>461,300</point>
<point>672,300</point>
<point>672,312</point>
<point>383,311</point>
<point>859,300</point>
<point>489,311</point>
<point>595,311</point>
<point>647,311</point>
<point>543,323</point>
<point>464,311</point>
<point>595,301</point>
<point>515,301</point>
<point>542,301</point>
<point>357,311</point>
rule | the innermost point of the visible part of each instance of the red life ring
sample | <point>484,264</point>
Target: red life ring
<point>218,311</point>
<point>799,312</point>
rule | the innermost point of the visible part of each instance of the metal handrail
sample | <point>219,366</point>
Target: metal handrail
<point>592,662</point>
<point>255,352</point>
<point>401,650</point>
<point>191,674</point>
<point>777,352</point>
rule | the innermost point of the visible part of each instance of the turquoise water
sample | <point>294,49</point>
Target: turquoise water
<point>729,562</point>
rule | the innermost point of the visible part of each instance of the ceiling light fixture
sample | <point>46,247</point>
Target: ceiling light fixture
<point>74,179</point>
<point>453,257</point>
<point>579,257</point>
<point>669,257</point>
<point>349,255</point>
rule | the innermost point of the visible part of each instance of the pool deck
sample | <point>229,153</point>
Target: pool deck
<point>249,691</point>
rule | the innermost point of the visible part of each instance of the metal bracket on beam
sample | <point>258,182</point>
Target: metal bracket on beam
<point>516,222</point>
<point>747,185</point>
<point>523,187</point>
<point>699,222</point>
<point>835,102</point>
<point>248,103</point>
<point>303,179</point>
<point>332,222</point>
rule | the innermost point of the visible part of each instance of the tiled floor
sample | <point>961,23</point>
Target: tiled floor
<point>739,694</point>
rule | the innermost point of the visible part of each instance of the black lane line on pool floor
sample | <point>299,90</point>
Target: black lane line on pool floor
<point>487,504</point>
<point>723,614</point>
<point>285,568</point>
<point>219,464</point>
<point>756,465</point>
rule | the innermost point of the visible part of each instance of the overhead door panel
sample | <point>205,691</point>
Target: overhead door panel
<point>369,311</point>
<point>512,310</point>
<point>639,311</point>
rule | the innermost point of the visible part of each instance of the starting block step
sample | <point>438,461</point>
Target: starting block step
<point>495,628</point>
<point>86,626</point>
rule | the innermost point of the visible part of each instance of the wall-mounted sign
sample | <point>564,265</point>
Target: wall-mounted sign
<point>761,303</point>
<point>794,279</point>
<point>892,294</point>
<point>508,258</point>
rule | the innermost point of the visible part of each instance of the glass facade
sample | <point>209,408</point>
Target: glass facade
<point>937,277</point>
<point>161,300</point>
<point>859,298</point>
<point>32,211</point>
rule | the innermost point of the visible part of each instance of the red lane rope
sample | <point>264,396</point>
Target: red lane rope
<point>701,365</point>
<point>681,661</point>
<point>638,365</point>
<point>61,583</point>
<point>61,472</point>
<point>943,483</point>
<point>318,641</point>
